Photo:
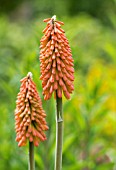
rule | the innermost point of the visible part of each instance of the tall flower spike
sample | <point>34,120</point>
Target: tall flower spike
<point>57,72</point>
<point>29,115</point>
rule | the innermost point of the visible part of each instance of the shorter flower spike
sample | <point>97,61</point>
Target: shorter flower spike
<point>57,72</point>
<point>30,121</point>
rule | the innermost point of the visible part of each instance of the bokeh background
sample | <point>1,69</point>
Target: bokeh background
<point>90,115</point>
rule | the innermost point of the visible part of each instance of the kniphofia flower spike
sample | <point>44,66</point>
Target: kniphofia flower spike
<point>30,121</point>
<point>57,72</point>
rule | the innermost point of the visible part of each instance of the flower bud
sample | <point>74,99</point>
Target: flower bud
<point>29,114</point>
<point>57,72</point>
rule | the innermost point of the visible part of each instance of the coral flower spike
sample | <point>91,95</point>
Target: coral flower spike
<point>57,72</point>
<point>29,115</point>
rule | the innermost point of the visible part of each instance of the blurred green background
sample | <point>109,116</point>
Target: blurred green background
<point>90,114</point>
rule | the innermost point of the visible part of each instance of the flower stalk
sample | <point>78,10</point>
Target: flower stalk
<point>57,74</point>
<point>30,121</point>
<point>31,156</point>
<point>59,133</point>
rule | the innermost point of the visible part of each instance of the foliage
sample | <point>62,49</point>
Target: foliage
<point>98,8</point>
<point>89,117</point>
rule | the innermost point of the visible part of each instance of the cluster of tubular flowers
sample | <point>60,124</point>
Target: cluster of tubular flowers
<point>30,121</point>
<point>57,72</point>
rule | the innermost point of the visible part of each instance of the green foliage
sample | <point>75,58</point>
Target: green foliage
<point>100,9</point>
<point>89,117</point>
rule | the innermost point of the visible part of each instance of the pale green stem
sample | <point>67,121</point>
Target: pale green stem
<point>31,156</point>
<point>59,133</point>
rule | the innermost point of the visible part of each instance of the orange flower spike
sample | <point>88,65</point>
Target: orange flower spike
<point>29,114</point>
<point>57,72</point>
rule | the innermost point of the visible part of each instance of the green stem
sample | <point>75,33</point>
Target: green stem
<point>59,133</point>
<point>31,156</point>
